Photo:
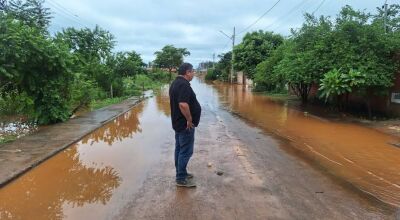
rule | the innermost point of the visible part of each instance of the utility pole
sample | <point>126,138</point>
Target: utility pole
<point>385,16</point>
<point>233,46</point>
<point>213,60</point>
<point>233,55</point>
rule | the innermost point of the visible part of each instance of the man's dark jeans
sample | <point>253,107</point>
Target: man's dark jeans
<point>184,142</point>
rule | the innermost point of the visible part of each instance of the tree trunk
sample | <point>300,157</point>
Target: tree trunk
<point>338,104</point>
<point>111,91</point>
<point>304,99</point>
<point>368,103</point>
<point>369,108</point>
<point>304,91</point>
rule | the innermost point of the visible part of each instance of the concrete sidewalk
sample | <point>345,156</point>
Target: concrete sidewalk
<point>20,156</point>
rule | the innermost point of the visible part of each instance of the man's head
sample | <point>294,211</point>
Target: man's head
<point>186,70</point>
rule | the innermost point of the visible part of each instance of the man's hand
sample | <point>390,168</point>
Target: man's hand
<point>184,107</point>
<point>190,125</point>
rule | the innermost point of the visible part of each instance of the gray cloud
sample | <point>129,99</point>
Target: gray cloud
<point>147,25</point>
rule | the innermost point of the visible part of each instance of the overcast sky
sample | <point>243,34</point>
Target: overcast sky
<point>147,25</point>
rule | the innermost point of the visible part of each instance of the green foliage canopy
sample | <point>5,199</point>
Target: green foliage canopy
<point>255,47</point>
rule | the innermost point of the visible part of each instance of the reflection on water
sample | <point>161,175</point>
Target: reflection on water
<point>122,127</point>
<point>42,192</point>
<point>163,101</point>
<point>360,155</point>
<point>96,177</point>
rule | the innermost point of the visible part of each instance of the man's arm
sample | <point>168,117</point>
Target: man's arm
<point>185,109</point>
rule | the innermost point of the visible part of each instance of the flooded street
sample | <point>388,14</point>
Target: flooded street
<point>362,156</point>
<point>95,177</point>
<point>124,170</point>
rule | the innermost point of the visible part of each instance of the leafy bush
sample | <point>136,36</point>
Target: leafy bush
<point>84,91</point>
<point>15,103</point>
<point>266,77</point>
<point>336,83</point>
<point>131,87</point>
<point>159,75</point>
<point>212,74</point>
<point>148,83</point>
<point>37,66</point>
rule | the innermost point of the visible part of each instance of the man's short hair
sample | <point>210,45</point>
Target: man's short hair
<point>184,68</point>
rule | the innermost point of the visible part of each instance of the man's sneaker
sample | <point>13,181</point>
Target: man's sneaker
<point>189,176</point>
<point>186,183</point>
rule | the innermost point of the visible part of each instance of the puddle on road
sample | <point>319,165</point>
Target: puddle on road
<point>96,177</point>
<point>362,156</point>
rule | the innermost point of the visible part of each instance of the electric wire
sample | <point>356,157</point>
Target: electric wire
<point>67,14</point>
<point>287,19</point>
<point>255,22</point>
<point>295,8</point>
<point>319,6</point>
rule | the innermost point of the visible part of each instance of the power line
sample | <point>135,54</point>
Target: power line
<point>319,6</point>
<point>233,54</point>
<point>70,19</point>
<point>68,14</point>
<point>288,19</point>
<point>255,22</point>
<point>67,10</point>
<point>65,15</point>
<point>289,13</point>
<point>226,45</point>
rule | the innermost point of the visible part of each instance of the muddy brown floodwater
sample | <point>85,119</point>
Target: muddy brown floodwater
<point>97,177</point>
<point>361,156</point>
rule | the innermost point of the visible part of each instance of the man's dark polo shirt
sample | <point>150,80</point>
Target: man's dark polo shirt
<point>180,91</point>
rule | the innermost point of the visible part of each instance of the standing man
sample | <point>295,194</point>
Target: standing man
<point>185,116</point>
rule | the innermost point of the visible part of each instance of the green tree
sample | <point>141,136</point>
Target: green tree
<point>30,12</point>
<point>266,78</point>
<point>129,64</point>
<point>88,44</point>
<point>170,58</point>
<point>306,56</point>
<point>355,41</point>
<point>255,47</point>
<point>223,67</point>
<point>92,52</point>
<point>368,49</point>
<point>54,75</point>
<point>34,64</point>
